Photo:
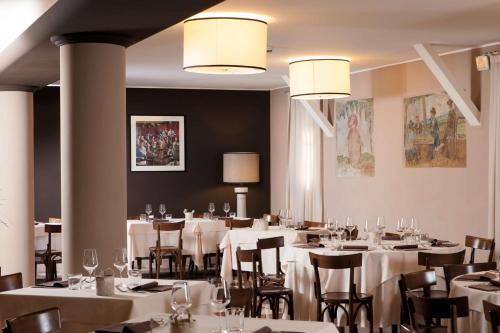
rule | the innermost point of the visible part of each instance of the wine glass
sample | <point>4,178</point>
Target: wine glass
<point>181,298</point>
<point>90,263</point>
<point>162,210</point>
<point>349,225</point>
<point>380,224</point>
<point>227,208</point>
<point>330,226</point>
<point>211,209</point>
<point>282,218</point>
<point>219,297</point>
<point>120,264</point>
<point>149,210</point>
<point>339,230</point>
<point>366,230</point>
<point>288,218</point>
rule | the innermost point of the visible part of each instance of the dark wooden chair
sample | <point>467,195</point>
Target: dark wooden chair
<point>478,243</point>
<point>45,321</point>
<point>276,243</point>
<point>350,302</point>
<point>426,313</point>
<point>452,271</point>
<point>314,224</point>
<point>420,283</point>
<point>239,223</point>
<point>11,282</point>
<point>262,293</point>
<point>242,298</point>
<point>492,315</point>
<point>158,252</point>
<point>431,259</point>
<point>48,257</point>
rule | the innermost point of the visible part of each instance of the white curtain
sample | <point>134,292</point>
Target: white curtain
<point>494,149</point>
<point>304,186</point>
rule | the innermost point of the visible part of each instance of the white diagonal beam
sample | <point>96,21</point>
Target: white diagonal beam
<point>318,116</point>
<point>448,82</point>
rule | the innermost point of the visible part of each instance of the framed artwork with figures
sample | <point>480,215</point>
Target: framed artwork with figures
<point>157,143</point>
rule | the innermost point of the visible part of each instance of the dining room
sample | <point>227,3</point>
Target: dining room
<point>261,166</point>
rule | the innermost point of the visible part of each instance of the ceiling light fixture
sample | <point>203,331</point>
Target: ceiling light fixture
<point>225,44</point>
<point>320,78</point>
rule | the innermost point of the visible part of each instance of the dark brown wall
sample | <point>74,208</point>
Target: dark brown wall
<point>215,122</point>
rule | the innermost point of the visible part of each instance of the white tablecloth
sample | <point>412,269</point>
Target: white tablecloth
<point>204,324</point>
<point>198,238</point>
<point>83,311</point>
<point>378,276</point>
<point>476,323</point>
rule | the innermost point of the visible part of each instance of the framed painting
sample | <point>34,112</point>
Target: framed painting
<point>157,143</point>
<point>434,132</point>
<point>354,121</point>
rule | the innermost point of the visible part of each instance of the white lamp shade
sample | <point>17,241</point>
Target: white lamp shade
<point>225,45</point>
<point>323,78</point>
<point>240,168</point>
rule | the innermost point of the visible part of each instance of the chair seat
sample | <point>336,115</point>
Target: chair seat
<point>273,290</point>
<point>273,279</point>
<point>164,249</point>
<point>343,297</point>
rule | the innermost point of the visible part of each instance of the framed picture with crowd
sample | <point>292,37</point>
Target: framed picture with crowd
<point>157,143</point>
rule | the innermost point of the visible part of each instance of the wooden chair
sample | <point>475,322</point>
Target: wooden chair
<point>430,259</point>
<point>432,310</point>
<point>420,284</point>
<point>339,300</point>
<point>158,252</point>
<point>11,282</point>
<point>242,298</point>
<point>276,243</point>
<point>48,257</point>
<point>478,243</point>
<point>492,315</point>
<point>261,292</point>
<point>313,224</point>
<point>239,223</point>
<point>45,321</point>
<point>452,271</point>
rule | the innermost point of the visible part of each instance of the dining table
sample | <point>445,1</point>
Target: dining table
<point>206,323</point>
<point>476,322</point>
<point>83,311</point>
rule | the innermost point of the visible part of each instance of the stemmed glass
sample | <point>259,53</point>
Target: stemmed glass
<point>349,226</point>
<point>380,224</point>
<point>149,210</point>
<point>181,299</point>
<point>282,217</point>
<point>120,264</point>
<point>366,230</point>
<point>90,263</point>
<point>330,226</point>
<point>211,209</point>
<point>162,210</point>
<point>219,297</point>
<point>339,230</point>
<point>227,208</point>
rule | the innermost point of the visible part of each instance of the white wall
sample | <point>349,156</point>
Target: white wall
<point>449,202</point>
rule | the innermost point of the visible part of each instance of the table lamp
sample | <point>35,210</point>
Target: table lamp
<point>241,168</point>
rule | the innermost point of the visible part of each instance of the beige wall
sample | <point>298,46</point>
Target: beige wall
<point>448,202</point>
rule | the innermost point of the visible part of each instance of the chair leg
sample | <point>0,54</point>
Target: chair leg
<point>158,265</point>
<point>170,264</point>
<point>290,307</point>
<point>150,266</point>
<point>139,263</point>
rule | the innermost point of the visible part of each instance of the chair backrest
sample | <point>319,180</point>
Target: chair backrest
<point>51,229</point>
<point>430,259</point>
<point>239,223</point>
<point>160,226</point>
<point>249,256</point>
<point>273,243</point>
<point>492,314</point>
<point>437,308</point>
<point>242,298</point>
<point>314,224</point>
<point>479,243</point>
<point>419,280</point>
<point>11,282</point>
<point>452,271</point>
<point>44,321</point>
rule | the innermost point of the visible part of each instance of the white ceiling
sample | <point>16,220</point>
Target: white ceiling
<point>371,32</point>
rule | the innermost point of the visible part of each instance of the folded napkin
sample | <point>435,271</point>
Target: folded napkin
<point>355,247</point>
<point>485,287</point>
<point>472,277</point>
<point>53,284</point>
<point>310,245</point>
<point>265,329</point>
<point>141,327</point>
<point>405,247</point>
<point>152,287</point>
<point>442,243</point>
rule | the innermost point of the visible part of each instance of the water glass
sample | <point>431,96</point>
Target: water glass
<point>162,210</point>
<point>235,319</point>
<point>219,298</point>
<point>232,215</point>
<point>90,263</point>
<point>181,299</point>
<point>74,281</point>
<point>143,217</point>
<point>149,210</point>
<point>168,217</point>
<point>134,278</point>
<point>227,207</point>
<point>211,208</point>
<point>120,262</point>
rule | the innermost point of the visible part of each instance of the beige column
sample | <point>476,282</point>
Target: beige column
<point>17,212</point>
<point>93,143</point>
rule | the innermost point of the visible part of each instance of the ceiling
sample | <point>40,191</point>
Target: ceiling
<point>371,32</point>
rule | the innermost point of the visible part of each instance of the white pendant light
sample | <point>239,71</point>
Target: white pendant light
<point>320,78</point>
<point>225,45</point>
